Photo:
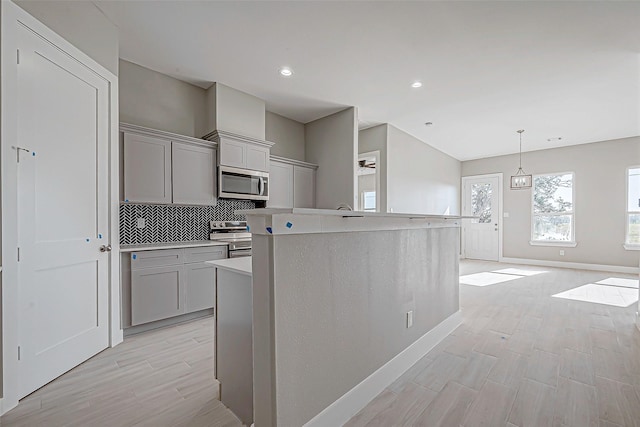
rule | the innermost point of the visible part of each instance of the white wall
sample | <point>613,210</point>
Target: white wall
<point>420,179</point>
<point>287,134</point>
<point>155,100</point>
<point>599,198</point>
<point>332,143</point>
<point>231,110</point>
<point>375,139</point>
<point>82,24</point>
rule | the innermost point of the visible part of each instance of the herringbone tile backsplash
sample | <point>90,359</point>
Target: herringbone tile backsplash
<point>170,223</point>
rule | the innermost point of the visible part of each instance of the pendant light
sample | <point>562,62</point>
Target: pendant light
<point>520,180</point>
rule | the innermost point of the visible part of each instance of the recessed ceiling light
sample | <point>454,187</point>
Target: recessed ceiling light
<point>554,139</point>
<point>286,71</point>
<point>416,84</point>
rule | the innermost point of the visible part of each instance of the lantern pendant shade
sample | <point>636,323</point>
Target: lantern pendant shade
<point>521,180</point>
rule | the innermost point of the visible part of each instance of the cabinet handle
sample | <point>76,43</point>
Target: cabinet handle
<point>105,248</point>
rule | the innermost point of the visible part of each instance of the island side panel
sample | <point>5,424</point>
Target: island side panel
<point>264,386</point>
<point>234,356</point>
<point>340,302</point>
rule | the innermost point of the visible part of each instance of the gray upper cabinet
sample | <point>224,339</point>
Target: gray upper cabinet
<point>147,169</point>
<point>304,187</point>
<point>162,167</point>
<point>292,184</point>
<point>194,178</point>
<point>280,185</point>
<point>233,153</point>
<point>244,155</point>
<point>258,158</point>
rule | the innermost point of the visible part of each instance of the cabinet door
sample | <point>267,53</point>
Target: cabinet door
<point>200,287</point>
<point>280,185</point>
<point>257,158</point>
<point>156,293</point>
<point>194,178</point>
<point>147,169</point>
<point>304,187</point>
<point>233,153</point>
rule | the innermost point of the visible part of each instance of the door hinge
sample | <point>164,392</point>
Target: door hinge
<point>18,352</point>
<point>18,254</point>
<point>18,56</point>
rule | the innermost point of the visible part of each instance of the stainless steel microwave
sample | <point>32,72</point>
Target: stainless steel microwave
<point>235,183</point>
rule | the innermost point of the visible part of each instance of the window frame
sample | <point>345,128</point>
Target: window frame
<point>627,245</point>
<point>571,243</point>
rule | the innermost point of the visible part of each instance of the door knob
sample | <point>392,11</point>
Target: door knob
<point>105,248</point>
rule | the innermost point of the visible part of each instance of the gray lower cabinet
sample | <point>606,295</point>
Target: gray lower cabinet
<point>170,282</point>
<point>200,290</point>
<point>156,293</point>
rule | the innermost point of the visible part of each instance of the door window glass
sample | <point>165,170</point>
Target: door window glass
<point>481,202</point>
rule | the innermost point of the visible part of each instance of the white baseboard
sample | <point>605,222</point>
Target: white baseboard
<point>574,265</point>
<point>343,409</point>
<point>6,406</point>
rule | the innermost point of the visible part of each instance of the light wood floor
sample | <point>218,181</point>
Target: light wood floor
<point>522,358</point>
<point>158,378</point>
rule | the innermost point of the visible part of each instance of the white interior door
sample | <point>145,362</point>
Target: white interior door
<point>63,122</point>
<point>481,198</point>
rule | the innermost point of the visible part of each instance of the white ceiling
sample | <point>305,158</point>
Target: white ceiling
<point>568,69</point>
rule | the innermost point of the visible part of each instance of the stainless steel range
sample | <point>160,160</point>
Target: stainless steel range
<point>233,232</point>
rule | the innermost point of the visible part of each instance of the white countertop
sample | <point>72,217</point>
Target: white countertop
<point>240,265</point>
<point>170,245</point>
<point>310,221</point>
<point>343,213</point>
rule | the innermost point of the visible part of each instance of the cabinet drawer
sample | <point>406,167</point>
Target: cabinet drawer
<point>156,293</point>
<point>159,258</point>
<point>207,253</point>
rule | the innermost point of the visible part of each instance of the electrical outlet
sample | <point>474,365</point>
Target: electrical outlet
<point>561,252</point>
<point>141,223</point>
<point>409,319</point>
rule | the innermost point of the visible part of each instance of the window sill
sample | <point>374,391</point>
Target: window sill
<point>551,243</point>
<point>631,247</point>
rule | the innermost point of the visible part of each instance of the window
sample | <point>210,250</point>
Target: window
<point>369,201</point>
<point>633,208</point>
<point>552,221</point>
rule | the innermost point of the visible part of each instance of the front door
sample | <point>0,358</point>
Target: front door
<point>63,131</point>
<point>481,198</point>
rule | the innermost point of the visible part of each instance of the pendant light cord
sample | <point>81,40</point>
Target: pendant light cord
<point>520,132</point>
<point>520,150</point>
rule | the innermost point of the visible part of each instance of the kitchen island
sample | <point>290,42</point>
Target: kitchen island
<point>233,336</point>
<point>343,303</point>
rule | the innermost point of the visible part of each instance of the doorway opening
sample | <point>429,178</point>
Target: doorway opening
<point>368,173</point>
